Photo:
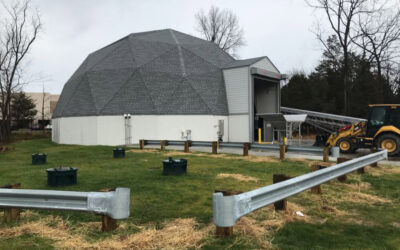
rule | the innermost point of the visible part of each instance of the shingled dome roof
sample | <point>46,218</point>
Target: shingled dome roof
<point>150,73</point>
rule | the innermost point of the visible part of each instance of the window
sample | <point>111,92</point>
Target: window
<point>378,115</point>
<point>395,117</point>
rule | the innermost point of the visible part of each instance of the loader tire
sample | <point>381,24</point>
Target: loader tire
<point>390,142</point>
<point>345,145</point>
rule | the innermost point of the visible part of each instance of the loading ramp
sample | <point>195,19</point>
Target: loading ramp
<point>324,121</point>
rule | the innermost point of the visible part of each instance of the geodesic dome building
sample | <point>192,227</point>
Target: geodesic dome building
<point>173,86</point>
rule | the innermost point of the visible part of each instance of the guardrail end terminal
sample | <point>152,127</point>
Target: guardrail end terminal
<point>224,215</point>
<point>119,208</point>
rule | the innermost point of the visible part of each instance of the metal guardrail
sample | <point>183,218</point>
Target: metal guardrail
<point>289,148</point>
<point>228,209</point>
<point>114,203</point>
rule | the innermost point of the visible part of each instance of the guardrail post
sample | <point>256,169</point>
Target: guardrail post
<point>340,160</point>
<point>107,223</point>
<point>246,147</point>
<point>215,147</point>
<point>163,144</point>
<point>187,145</point>
<point>282,150</point>
<point>224,232</point>
<point>282,204</point>
<point>11,214</point>
<point>374,150</point>
<point>316,189</point>
<point>142,143</point>
<point>326,154</point>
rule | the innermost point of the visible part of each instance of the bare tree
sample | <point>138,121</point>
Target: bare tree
<point>43,102</point>
<point>221,27</point>
<point>44,113</point>
<point>17,34</point>
<point>342,16</point>
<point>379,37</point>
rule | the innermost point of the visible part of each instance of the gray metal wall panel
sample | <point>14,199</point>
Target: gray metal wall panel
<point>237,89</point>
<point>265,64</point>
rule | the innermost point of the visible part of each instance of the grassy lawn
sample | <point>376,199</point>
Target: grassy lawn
<point>176,212</point>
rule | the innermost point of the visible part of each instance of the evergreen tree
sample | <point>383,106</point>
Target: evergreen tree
<point>22,110</point>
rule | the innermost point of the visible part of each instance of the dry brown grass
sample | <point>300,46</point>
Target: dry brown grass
<point>360,186</point>
<point>395,224</point>
<point>361,222</point>
<point>358,197</point>
<point>238,177</point>
<point>262,224</point>
<point>251,158</point>
<point>147,150</point>
<point>177,234</point>
<point>321,163</point>
<point>171,153</point>
<point>383,170</point>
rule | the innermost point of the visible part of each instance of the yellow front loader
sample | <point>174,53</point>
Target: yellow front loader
<point>382,130</point>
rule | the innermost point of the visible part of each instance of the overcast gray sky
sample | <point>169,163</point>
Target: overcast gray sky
<point>280,30</point>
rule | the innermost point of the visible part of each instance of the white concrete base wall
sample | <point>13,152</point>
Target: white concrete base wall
<point>239,128</point>
<point>110,130</point>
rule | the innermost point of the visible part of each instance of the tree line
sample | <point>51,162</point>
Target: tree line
<point>360,63</point>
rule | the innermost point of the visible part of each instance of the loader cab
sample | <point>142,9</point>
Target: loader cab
<point>382,115</point>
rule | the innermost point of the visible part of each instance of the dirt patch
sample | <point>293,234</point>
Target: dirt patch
<point>238,177</point>
<point>177,234</point>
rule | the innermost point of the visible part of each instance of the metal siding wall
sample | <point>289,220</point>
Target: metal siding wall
<point>239,128</point>
<point>110,130</point>
<point>77,130</point>
<point>265,64</point>
<point>237,90</point>
<point>169,127</point>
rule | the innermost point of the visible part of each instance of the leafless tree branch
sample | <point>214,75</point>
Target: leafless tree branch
<point>21,27</point>
<point>221,27</point>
